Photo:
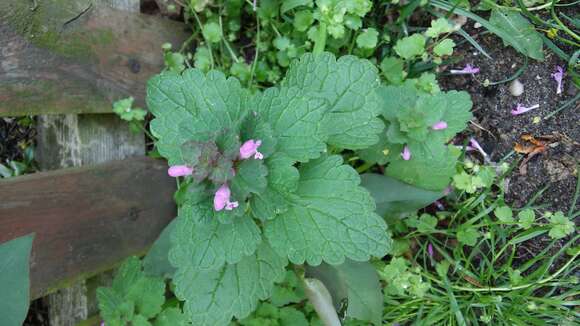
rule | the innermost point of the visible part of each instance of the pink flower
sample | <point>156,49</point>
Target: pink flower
<point>558,77</point>
<point>439,125</point>
<point>447,190</point>
<point>468,70</point>
<point>250,148</point>
<point>179,170</point>
<point>478,147</point>
<point>430,249</point>
<point>221,199</point>
<point>406,153</point>
<point>520,109</point>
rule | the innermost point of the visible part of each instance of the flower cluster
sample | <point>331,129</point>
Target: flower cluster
<point>222,196</point>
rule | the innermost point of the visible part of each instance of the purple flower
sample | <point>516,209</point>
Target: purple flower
<point>221,199</point>
<point>558,77</point>
<point>430,249</point>
<point>476,145</point>
<point>468,70</point>
<point>179,170</point>
<point>447,190</point>
<point>406,153</point>
<point>520,109</point>
<point>440,125</point>
<point>250,148</point>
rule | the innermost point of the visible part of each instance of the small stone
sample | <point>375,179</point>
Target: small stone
<point>516,88</point>
<point>477,25</point>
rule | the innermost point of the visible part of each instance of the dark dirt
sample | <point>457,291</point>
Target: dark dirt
<point>15,136</point>
<point>498,131</point>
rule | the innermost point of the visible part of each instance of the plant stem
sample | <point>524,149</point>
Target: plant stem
<point>320,43</point>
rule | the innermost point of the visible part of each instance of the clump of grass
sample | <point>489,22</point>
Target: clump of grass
<point>474,261</point>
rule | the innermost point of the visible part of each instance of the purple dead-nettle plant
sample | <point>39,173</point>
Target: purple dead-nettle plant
<point>467,70</point>
<point>521,109</point>
<point>254,164</point>
<point>559,77</point>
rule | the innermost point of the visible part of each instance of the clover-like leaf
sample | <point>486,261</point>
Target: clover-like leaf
<point>348,86</point>
<point>330,218</point>
<point>132,294</point>
<point>200,241</point>
<point>213,297</point>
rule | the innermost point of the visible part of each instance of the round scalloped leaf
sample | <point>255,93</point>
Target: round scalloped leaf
<point>200,241</point>
<point>348,85</point>
<point>331,218</point>
<point>213,297</point>
<point>193,106</point>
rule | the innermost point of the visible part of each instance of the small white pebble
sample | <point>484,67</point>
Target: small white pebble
<point>516,88</point>
<point>513,66</point>
<point>477,25</point>
<point>538,77</point>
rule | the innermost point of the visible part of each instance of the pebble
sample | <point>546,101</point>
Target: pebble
<point>516,88</point>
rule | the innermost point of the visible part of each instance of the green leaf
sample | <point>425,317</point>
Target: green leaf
<point>561,226</point>
<point>467,235</point>
<point>212,32</point>
<point>213,297</point>
<point>295,120</point>
<point>523,36</point>
<point>124,109</point>
<point>411,46</point>
<point>504,214</point>
<point>347,86</point>
<point>288,5</point>
<point>438,27</point>
<point>156,262</point>
<point>426,223</point>
<point>355,281</point>
<point>444,48</point>
<point>329,219</point>
<point>394,197</point>
<point>367,39</point>
<point>526,218</point>
<point>292,317</point>
<point>303,20</point>
<point>250,178</point>
<point>171,317</point>
<point>132,293</point>
<point>393,69</point>
<point>14,279</point>
<point>282,181</point>
<point>431,166</point>
<point>200,241</point>
<point>193,107</point>
<point>290,291</point>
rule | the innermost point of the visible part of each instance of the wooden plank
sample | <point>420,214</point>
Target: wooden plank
<point>71,140</point>
<point>77,56</point>
<point>86,219</point>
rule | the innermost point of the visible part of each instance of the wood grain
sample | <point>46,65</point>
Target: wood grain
<point>77,56</point>
<point>86,219</point>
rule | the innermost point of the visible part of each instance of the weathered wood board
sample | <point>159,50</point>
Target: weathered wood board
<point>86,219</point>
<point>77,56</point>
